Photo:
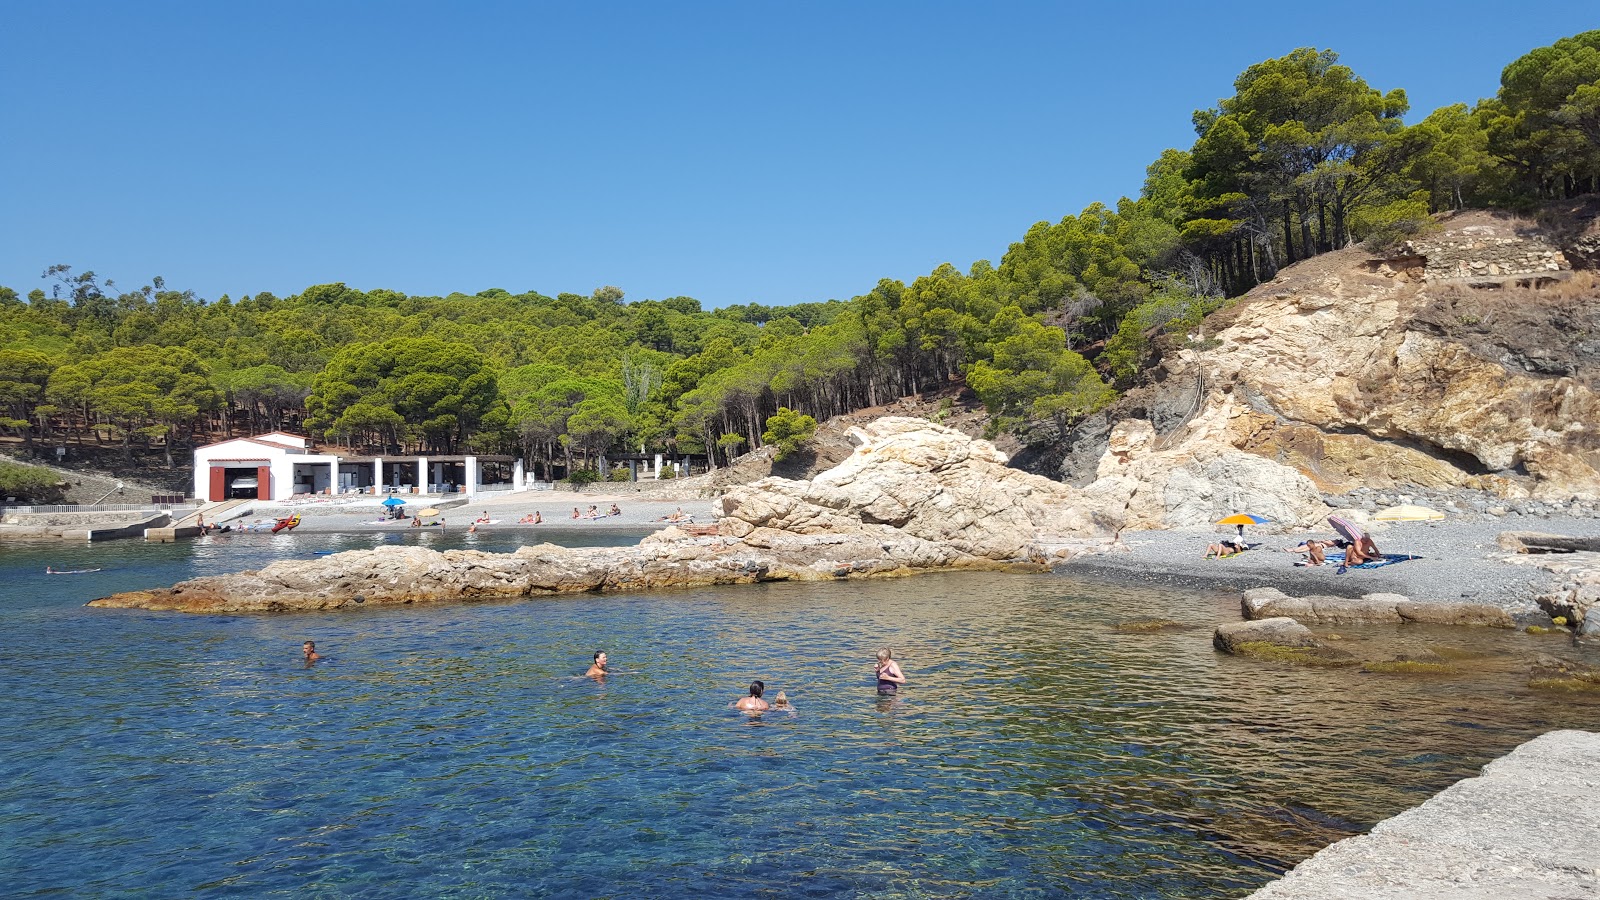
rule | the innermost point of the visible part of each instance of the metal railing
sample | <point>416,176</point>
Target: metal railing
<point>93,508</point>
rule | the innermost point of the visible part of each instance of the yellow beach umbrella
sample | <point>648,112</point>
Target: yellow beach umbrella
<point>1243,519</point>
<point>1410,512</point>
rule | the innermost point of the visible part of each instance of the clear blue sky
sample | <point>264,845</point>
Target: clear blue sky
<point>733,152</point>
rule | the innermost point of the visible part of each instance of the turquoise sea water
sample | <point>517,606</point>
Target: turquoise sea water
<point>453,751</point>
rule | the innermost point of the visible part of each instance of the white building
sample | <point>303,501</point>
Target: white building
<point>280,466</point>
<point>272,466</point>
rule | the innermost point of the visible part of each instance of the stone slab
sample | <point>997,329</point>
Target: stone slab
<point>1528,827</point>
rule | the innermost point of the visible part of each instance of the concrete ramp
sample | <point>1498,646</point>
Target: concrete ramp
<point>189,525</point>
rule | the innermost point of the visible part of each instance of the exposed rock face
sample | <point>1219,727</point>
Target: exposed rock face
<point>1352,371</point>
<point>913,497</point>
<point>1396,609</point>
<point>1198,480</point>
<point>915,479</point>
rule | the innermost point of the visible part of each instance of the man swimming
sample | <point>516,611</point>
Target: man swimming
<point>598,668</point>
<point>309,648</point>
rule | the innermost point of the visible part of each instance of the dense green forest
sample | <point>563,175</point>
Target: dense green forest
<point>1304,157</point>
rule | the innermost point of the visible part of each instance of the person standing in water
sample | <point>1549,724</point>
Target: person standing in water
<point>753,703</point>
<point>309,650</point>
<point>889,675</point>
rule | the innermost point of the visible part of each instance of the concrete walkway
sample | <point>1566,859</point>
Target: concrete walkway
<point>1527,828</point>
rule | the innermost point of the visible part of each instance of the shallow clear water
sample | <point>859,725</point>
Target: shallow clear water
<point>452,751</point>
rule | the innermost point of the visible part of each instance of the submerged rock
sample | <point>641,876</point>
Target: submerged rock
<point>913,497</point>
<point>1552,674</point>
<point>1151,625</point>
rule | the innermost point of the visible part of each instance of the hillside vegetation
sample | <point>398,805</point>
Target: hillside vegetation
<point>1303,158</point>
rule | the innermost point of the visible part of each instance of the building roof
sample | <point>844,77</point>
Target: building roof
<point>274,445</point>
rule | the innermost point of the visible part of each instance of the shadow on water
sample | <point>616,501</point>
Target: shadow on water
<point>1037,750</point>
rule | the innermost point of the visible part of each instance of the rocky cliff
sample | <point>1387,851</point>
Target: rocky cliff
<point>913,496</point>
<point>1469,358</point>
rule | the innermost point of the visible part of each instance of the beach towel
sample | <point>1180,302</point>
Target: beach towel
<point>1336,557</point>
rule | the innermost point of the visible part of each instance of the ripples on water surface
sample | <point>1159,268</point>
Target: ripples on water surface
<point>449,751</point>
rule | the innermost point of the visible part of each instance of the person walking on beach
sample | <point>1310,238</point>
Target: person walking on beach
<point>598,669</point>
<point>889,675</point>
<point>753,703</point>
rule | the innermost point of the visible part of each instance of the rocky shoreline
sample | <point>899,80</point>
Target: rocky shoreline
<point>912,497</point>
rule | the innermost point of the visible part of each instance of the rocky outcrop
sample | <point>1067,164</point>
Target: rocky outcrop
<point>1575,602</point>
<point>1278,639</point>
<point>1392,609</point>
<point>912,497</point>
<point>1197,480</point>
<point>1351,371</point>
<point>911,478</point>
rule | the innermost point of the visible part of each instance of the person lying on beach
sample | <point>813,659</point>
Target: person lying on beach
<point>598,668</point>
<point>678,515</point>
<point>526,520</point>
<point>753,703</point>
<point>1226,548</point>
<point>1313,549</point>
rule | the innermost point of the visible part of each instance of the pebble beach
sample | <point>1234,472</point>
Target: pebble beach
<point>1457,559</point>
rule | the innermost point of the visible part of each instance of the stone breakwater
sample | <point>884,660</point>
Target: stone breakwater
<point>913,497</point>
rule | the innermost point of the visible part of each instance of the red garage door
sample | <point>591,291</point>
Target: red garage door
<point>219,484</point>
<point>263,482</point>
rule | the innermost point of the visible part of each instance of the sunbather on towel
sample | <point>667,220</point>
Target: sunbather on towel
<point>1313,549</point>
<point>1228,547</point>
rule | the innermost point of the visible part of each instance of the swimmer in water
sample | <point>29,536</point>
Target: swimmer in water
<point>598,668</point>
<point>753,703</point>
<point>781,702</point>
<point>309,648</point>
<point>889,675</point>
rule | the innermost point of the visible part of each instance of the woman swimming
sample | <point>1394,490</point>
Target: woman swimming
<point>889,675</point>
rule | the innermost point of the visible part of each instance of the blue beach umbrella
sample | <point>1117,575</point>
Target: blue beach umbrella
<point>393,501</point>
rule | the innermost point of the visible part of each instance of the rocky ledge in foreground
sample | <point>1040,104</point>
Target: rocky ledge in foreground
<point>1526,827</point>
<point>913,497</point>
